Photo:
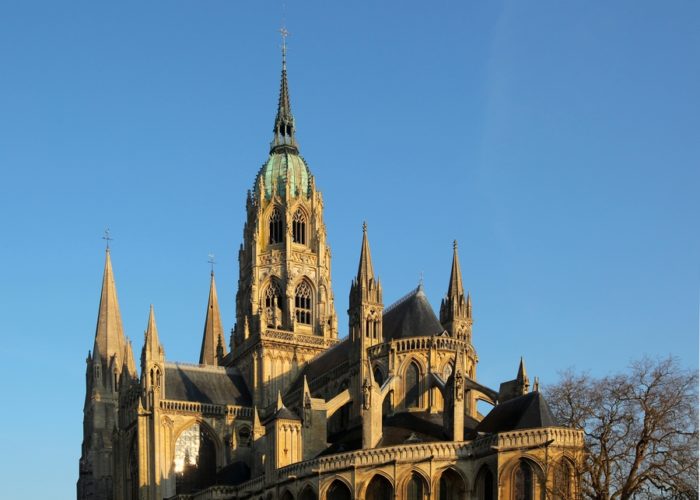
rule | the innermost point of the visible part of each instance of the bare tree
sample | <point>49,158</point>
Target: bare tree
<point>641,429</point>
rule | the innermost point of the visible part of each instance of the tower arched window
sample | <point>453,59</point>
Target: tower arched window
<point>523,482</point>
<point>276,227</point>
<point>412,395</point>
<point>299,227</point>
<point>302,303</point>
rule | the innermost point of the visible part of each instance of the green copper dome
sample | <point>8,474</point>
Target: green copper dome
<point>280,167</point>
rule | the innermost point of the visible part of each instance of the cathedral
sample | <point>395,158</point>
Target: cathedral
<point>287,408</point>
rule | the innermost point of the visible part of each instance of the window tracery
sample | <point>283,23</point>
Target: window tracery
<point>302,303</point>
<point>276,227</point>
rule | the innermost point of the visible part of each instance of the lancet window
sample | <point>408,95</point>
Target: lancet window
<point>412,393</point>
<point>302,303</point>
<point>299,227</point>
<point>415,488</point>
<point>276,227</point>
<point>523,482</point>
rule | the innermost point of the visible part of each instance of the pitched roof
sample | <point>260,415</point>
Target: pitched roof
<point>323,363</point>
<point>205,384</point>
<point>411,316</point>
<point>524,412</point>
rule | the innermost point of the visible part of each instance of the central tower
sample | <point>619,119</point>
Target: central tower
<point>285,313</point>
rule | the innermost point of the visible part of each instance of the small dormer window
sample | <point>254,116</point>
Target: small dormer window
<point>299,227</point>
<point>276,227</point>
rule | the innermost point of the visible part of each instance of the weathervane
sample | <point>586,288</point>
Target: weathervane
<point>211,261</point>
<point>107,237</point>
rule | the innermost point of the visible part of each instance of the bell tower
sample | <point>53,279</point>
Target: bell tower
<point>285,311</point>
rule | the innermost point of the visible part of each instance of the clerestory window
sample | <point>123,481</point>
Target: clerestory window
<point>302,303</point>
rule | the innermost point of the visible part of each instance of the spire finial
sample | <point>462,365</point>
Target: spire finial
<point>284,33</point>
<point>454,245</point>
<point>107,237</point>
<point>364,226</point>
<point>211,260</point>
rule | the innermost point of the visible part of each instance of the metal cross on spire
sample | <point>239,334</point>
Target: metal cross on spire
<point>107,237</point>
<point>284,33</point>
<point>211,261</point>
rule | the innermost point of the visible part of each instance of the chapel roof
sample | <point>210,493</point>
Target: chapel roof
<point>411,316</point>
<point>205,384</point>
<point>524,412</point>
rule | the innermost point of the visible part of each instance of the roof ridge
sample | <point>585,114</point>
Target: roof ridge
<point>210,368</point>
<point>403,299</point>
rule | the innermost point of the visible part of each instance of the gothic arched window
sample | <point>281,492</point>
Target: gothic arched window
<point>451,486</point>
<point>378,376</point>
<point>484,484</point>
<point>415,489</point>
<point>412,393</point>
<point>273,305</point>
<point>562,481</point>
<point>308,494</point>
<point>523,482</point>
<point>195,460</point>
<point>379,489</point>
<point>302,303</point>
<point>338,491</point>
<point>299,227</point>
<point>276,227</point>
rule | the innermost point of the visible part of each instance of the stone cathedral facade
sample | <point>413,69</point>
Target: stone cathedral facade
<point>287,409</point>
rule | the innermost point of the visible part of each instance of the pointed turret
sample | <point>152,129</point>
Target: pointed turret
<point>455,288</point>
<point>455,308</point>
<point>213,338</point>
<point>151,345</point>
<point>109,334</point>
<point>516,387</point>
<point>522,378</point>
<point>284,140</point>
<point>366,297</point>
<point>365,271</point>
<point>129,364</point>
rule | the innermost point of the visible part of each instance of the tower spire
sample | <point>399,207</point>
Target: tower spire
<point>151,345</point>
<point>213,331</point>
<point>455,309</point>
<point>109,334</point>
<point>283,140</point>
<point>365,271</point>
<point>455,288</point>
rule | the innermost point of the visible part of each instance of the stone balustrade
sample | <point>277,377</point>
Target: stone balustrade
<point>205,408</point>
<point>298,338</point>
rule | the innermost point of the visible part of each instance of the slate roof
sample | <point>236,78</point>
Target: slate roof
<point>524,412</point>
<point>411,316</point>
<point>205,384</point>
<point>323,363</point>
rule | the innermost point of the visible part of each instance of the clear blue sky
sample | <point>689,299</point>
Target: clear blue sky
<point>557,141</point>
